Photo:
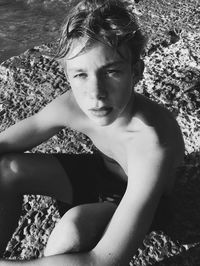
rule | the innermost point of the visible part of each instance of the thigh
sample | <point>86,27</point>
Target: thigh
<point>37,174</point>
<point>80,229</point>
<point>90,217</point>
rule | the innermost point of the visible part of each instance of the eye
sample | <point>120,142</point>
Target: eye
<point>80,75</point>
<point>112,72</point>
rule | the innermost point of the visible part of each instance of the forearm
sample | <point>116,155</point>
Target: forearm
<point>79,259</point>
<point>125,235</point>
<point>126,230</point>
<point>24,135</point>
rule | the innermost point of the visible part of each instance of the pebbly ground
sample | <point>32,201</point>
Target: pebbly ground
<point>172,78</point>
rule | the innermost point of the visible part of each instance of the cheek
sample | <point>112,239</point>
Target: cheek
<point>124,89</point>
<point>79,96</point>
<point>124,94</point>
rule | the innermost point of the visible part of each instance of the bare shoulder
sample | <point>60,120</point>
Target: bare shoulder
<point>169,134</point>
<point>59,111</point>
<point>155,147</point>
<point>159,129</point>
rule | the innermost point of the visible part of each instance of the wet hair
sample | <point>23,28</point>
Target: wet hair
<point>108,21</point>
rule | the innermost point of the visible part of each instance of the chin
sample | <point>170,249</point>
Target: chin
<point>103,121</point>
<point>102,124</point>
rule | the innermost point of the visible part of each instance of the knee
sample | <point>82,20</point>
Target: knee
<point>64,239</point>
<point>9,173</point>
<point>69,236</point>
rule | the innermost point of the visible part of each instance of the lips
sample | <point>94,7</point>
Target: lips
<point>100,112</point>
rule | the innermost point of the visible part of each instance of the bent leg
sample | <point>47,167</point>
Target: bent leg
<point>80,228</point>
<point>28,174</point>
<point>42,174</point>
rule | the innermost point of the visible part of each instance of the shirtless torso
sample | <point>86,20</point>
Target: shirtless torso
<point>150,122</point>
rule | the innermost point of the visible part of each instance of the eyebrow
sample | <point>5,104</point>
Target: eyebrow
<point>111,64</point>
<point>115,63</point>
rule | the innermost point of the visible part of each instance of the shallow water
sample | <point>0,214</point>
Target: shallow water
<point>27,23</point>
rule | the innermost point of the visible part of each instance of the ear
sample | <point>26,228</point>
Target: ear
<point>138,69</point>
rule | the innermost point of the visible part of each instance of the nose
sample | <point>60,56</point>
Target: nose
<point>97,88</point>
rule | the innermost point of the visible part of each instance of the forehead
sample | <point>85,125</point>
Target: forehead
<point>96,54</point>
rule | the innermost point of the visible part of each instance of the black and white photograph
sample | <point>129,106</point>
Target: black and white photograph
<point>99,132</point>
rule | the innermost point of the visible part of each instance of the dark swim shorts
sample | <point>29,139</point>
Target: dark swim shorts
<point>91,180</point>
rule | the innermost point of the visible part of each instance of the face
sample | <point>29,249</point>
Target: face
<point>102,81</point>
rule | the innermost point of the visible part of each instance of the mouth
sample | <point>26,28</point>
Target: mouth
<point>100,112</point>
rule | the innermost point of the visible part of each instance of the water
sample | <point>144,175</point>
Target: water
<point>27,23</point>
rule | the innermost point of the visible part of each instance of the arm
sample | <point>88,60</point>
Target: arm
<point>32,131</point>
<point>150,166</point>
<point>147,175</point>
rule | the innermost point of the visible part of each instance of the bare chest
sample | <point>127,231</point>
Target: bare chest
<point>114,155</point>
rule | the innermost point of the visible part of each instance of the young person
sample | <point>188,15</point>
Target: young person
<point>139,145</point>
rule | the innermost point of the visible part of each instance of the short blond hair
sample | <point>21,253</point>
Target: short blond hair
<point>107,20</point>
